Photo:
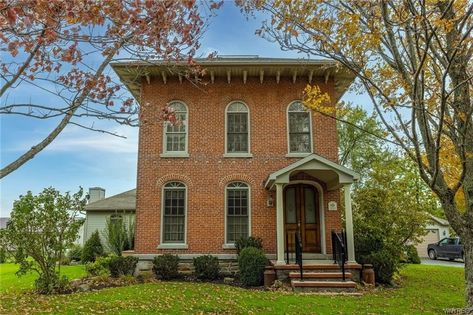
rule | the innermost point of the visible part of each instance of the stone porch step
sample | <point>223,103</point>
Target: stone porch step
<point>321,276</point>
<point>317,266</point>
<point>318,286</point>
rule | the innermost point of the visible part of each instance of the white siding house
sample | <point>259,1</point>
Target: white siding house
<point>436,230</point>
<point>100,209</point>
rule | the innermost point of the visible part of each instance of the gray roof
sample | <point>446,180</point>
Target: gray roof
<point>4,222</point>
<point>439,220</point>
<point>131,72</point>
<point>124,201</point>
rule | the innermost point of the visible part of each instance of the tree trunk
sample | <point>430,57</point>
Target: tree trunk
<point>468,256</point>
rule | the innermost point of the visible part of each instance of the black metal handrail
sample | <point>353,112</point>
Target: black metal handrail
<point>339,250</point>
<point>294,253</point>
<point>299,253</point>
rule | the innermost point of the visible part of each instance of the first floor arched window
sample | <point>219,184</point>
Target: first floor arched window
<point>174,213</point>
<point>237,211</point>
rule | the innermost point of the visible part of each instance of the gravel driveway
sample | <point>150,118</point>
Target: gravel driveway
<point>443,262</point>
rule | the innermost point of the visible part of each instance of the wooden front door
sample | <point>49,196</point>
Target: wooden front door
<point>301,213</point>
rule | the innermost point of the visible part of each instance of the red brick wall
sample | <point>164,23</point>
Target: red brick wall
<point>206,171</point>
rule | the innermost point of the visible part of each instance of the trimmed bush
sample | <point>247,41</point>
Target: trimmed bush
<point>92,249</point>
<point>252,263</point>
<point>122,266</point>
<point>206,267</point>
<point>250,241</point>
<point>75,253</point>
<point>166,267</point>
<point>100,267</point>
<point>412,257</point>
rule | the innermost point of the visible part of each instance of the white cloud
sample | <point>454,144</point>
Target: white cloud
<point>76,139</point>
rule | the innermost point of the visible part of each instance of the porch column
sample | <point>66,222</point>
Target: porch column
<point>349,224</point>
<point>280,224</point>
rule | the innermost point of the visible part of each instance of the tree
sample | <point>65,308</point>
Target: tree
<point>360,139</point>
<point>92,248</point>
<point>390,210</point>
<point>62,50</point>
<point>414,60</point>
<point>390,202</point>
<point>40,230</point>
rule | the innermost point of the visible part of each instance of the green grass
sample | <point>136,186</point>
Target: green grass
<point>424,290</point>
<point>9,281</point>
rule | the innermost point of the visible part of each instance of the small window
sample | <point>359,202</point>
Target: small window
<point>175,135</point>
<point>300,135</point>
<point>174,213</point>
<point>237,212</point>
<point>237,139</point>
<point>116,218</point>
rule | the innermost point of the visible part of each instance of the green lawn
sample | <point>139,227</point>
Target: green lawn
<point>424,290</point>
<point>10,282</point>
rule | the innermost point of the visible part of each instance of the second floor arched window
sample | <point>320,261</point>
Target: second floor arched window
<point>237,128</point>
<point>299,128</point>
<point>175,135</point>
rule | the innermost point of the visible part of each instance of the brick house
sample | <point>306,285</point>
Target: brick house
<point>247,159</point>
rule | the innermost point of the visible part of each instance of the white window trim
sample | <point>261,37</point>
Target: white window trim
<point>226,244</point>
<point>163,245</point>
<point>299,154</point>
<point>237,154</point>
<point>181,154</point>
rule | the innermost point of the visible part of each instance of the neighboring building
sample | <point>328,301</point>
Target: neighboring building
<point>100,209</point>
<point>3,222</point>
<point>436,230</point>
<point>246,159</point>
<point>80,235</point>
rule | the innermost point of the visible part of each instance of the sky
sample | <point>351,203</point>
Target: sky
<point>79,157</point>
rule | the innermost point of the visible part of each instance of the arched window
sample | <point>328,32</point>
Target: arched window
<point>174,213</point>
<point>175,135</point>
<point>299,127</point>
<point>237,210</point>
<point>237,128</point>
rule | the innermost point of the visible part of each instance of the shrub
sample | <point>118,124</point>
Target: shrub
<point>370,248</point>
<point>119,235</point>
<point>252,263</point>
<point>122,266</point>
<point>92,248</point>
<point>166,266</point>
<point>75,253</point>
<point>206,267</point>
<point>52,284</point>
<point>100,267</point>
<point>3,255</point>
<point>250,241</point>
<point>412,257</point>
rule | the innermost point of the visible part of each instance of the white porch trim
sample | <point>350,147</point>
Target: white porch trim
<point>280,224</point>
<point>349,224</point>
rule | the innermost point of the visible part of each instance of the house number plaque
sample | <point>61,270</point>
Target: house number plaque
<point>332,206</point>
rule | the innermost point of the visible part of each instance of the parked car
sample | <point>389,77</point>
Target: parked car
<point>449,247</point>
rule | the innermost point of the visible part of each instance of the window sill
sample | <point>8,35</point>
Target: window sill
<point>174,155</point>
<point>238,155</point>
<point>172,246</point>
<point>298,154</point>
<point>228,246</point>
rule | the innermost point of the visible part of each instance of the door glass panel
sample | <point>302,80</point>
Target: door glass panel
<point>309,197</point>
<point>291,205</point>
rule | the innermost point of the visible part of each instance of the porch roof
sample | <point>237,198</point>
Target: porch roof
<point>332,174</point>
